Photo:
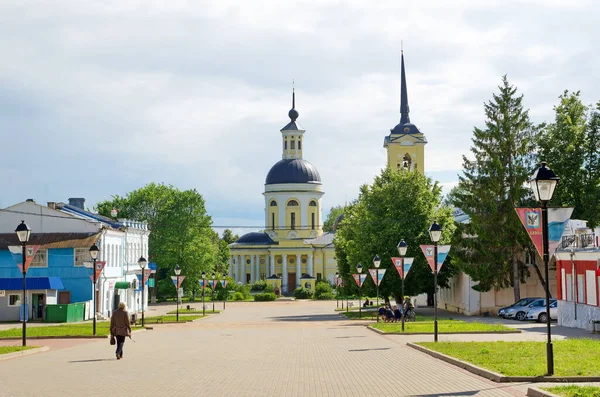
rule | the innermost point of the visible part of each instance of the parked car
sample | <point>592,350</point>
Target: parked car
<point>538,313</point>
<point>517,309</point>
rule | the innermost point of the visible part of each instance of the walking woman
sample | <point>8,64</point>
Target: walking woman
<point>120,327</point>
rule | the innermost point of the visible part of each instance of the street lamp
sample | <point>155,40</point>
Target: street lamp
<point>543,182</point>
<point>212,292</point>
<point>143,262</point>
<point>23,233</point>
<point>359,270</point>
<point>94,255</point>
<point>402,247</point>
<point>337,301</point>
<point>203,286</point>
<point>177,273</point>
<point>435,233</point>
<point>377,263</point>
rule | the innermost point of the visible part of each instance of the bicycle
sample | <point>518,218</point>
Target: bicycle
<point>409,315</point>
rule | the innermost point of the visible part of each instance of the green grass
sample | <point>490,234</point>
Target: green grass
<point>443,326</point>
<point>12,349</point>
<point>575,391</point>
<point>372,315</point>
<point>102,329</point>
<point>167,319</point>
<point>572,357</point>
<point>196,311</point>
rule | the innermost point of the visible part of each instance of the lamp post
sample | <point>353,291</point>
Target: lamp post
<point>376,263</point>
<point>337,302</point>
<point>359,270</point>
<point>143,262</point>
<point>402,247</point>
<point>212,292</point>
<point>94,255</point>
<point>203,286</point>
<point>435,232</point>
<point>23,233</point>
<point>177,273</point>
<point>543,182</point>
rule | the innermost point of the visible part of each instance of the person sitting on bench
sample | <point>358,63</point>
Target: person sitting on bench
<point>397,314</point>
<point>366,302</point>
<point>389,315</point>
<point>381,312</point>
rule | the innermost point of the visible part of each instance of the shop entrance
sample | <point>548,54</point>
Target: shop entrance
<point>38,304</point>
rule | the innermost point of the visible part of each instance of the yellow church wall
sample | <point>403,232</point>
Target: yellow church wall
<point>396,152</point>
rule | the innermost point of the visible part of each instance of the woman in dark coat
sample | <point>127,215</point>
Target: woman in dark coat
<point>120,327</point>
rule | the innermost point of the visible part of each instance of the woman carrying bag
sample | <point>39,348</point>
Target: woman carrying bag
<point>119,328</point>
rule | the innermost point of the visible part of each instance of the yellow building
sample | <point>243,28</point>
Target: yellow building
<point>292,246</point>
<point>406,144</point>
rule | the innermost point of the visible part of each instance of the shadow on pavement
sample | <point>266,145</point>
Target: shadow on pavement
<point>347,337</point>
<point>366,350</point>
<point>93,360</point>
<point>313,317</point>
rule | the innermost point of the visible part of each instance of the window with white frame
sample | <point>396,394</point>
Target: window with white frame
<point>40,259</point>
<point>82,255</point>
<point>14,300</point>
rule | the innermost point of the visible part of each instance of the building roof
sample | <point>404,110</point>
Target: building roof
<point>405,126</point>
<point>255,238</point>
<point>324,239</point>
<point>52,240</point>
<point>73,210</point>
<point>293,171</point>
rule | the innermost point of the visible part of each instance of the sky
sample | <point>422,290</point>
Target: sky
<point>100,98</point>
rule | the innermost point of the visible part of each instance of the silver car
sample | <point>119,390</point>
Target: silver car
<point>538,312</point>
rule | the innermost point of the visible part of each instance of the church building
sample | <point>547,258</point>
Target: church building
<point>292,248</point>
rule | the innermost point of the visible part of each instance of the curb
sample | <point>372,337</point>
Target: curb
<point>535,392</point>
<point>22,353</point>
<point>444,333</point>
<point>499,378</point>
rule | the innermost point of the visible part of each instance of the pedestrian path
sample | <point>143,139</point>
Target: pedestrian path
<point>250,349</point>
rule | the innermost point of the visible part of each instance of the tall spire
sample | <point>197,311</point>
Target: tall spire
<point>403,94</point>
<point>293,113</point>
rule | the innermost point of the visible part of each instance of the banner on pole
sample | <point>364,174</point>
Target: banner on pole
<point>17,254</point>
<point>224,283</point>
<point>359,278</point>
<point>339,282</point>
<point>377,275</point>
<point>531,218</point>
<point>99,267</point>
<point>202,283</point>
<point>177,280</point>
<point>147,273</point>
<point>428,251</point>
<point>211,284</point>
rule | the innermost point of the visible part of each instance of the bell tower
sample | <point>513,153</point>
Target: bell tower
<point>406,143</point>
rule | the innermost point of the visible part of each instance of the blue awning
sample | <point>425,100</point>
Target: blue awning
<point>16,284</point>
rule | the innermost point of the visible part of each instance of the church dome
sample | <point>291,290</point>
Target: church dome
<point>293,171</point>
<point>258,238</point>
<point>406,128</point>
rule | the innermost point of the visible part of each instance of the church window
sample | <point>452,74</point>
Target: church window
<point>273,203</point>
<point>313,203</point>
<point>293,221</point>
<point>273,221</point>
<point>293,203</point>
<point>285,145</point>
<point>299,145</point>
<point>293,145</point>
<point>312,220</point>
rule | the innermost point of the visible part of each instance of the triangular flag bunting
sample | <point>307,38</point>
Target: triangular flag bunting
<point>531,218</point>
<point>428,251</point>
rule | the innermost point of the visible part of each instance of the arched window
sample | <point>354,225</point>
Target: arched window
<point>299,145</point>
<point>285,145</point>
<point>273,203</point>
<point>292,203</point>
<point>293,145</point>
<point>313,203</point>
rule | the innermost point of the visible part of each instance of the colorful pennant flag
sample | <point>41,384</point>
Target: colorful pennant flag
<point>17,254</point>
<point>177,280</point>
<point>406,265</point>
<point>224,283</point>
<point>212,284</point>
<point>428,251</point>
<point>402,265</point>
<point>99,267</point>
<point>148,272</point>
<point>202,283</point>
<point>360,279</point>
<point>339,282</point>
<point>377,275</point>
<point>531,218</point>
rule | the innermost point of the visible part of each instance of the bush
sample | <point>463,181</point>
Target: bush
<point>259,285</point>
<point>238,296</point>
<point>323,291</point>
<point>270,288</point>
<point>244,290</point>
<point>303,293</point>
<point>265,297</point>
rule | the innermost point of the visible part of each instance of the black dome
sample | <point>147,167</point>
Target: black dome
<point>255,238</point>
<point>406,128</point>
<point>293,171</point>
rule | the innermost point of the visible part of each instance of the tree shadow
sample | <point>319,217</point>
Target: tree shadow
<point>372,349</point>
<point>308,318</point>
<point>92,360</point>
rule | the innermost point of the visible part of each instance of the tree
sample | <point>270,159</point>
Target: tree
<point>489,248</point>
<point>570,147</point>
<point>181,232</point>
<point>333,215</point>
<point>400,204</point>
<point>223,255</point>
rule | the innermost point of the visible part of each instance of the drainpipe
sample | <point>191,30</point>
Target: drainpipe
<point>574,281</point>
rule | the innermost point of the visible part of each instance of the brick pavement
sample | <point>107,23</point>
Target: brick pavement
<point>251,349</point>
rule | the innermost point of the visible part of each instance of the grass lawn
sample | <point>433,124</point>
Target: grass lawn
<point>443,326</point>
<point>169,318</point>
<point>575,391</point>
<point>195,311</point>
<point>102,329</point>
<point>12,349</point>
<point>572,357</point>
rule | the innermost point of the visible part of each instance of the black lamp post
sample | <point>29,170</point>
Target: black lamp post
<point>337,302</point>
<point>377,263</point>
<point>143,262</point>
<point>402,247</point>
<point>23,233</point>
<point>203,286</point>
<point>543,182</point>
<point>359,270</point>
<point>94,255</point>
<point>435,232</point>
<point>212,292</point>
<point>177,273</point>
